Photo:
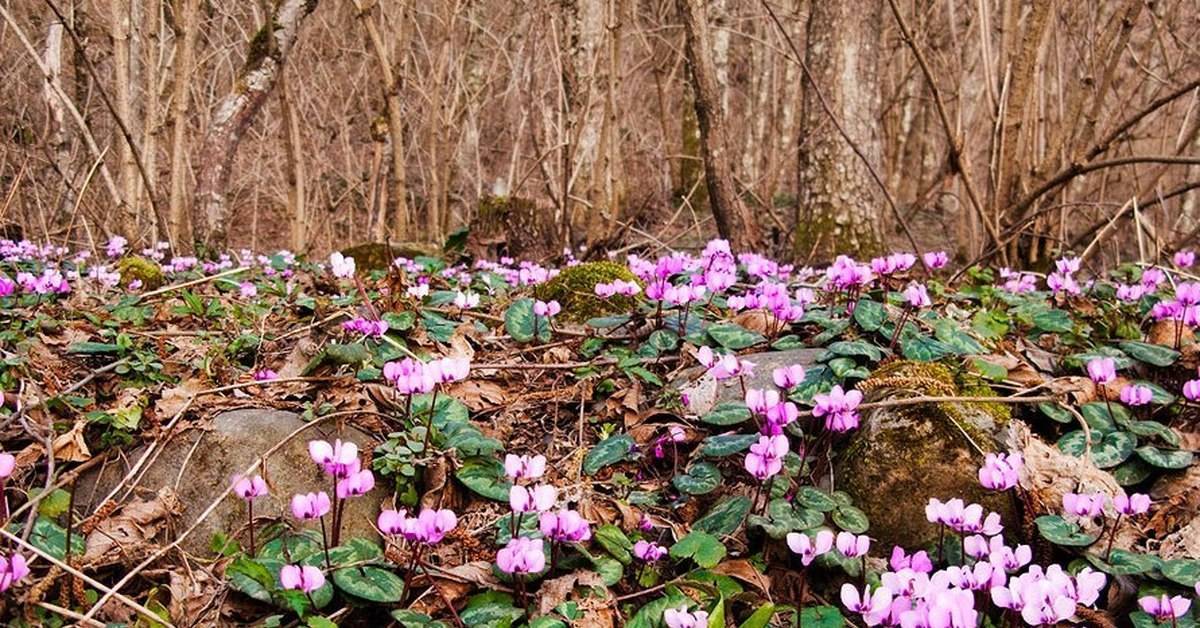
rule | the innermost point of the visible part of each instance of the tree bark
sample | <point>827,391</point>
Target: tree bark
<point>839,209</point>
<point>259,74</point>
<point>734,221</point>
<point>186,13</point>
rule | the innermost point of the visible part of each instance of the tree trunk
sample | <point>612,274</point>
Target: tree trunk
<point>58,141</point>
<point>257,78</point>
<point>186,12</point>
<point>124,75</point>
<point>838,207</point>
<point>734,221</point>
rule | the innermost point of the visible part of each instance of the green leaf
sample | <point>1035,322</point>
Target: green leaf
<point>1062,532</point>
<point>1053,321</point>
<point>733,336</point>
<point>1156,355</point>
<point>822,617</point>
<point>947,331</point>
<point>783,517</point>
<point>716,619</point>
<point>1113,449</point>
<point>1154,429</point>
<point>54,504</point>
<point>788,342</point>
<point>413,619</point>
<point>727,413</point>
<point>355,550</point>
<point>725,516</point>
<point>1158,394</point>
<point>519,322</point>
<point>606,322</point>
<point>850,519</point>
<point>338,354</point>
<point>399,321</point>
<point>490,609</point>
<point>610,569</point>
<point>856,348</point>
<point>437,326</point>
<point>727,444</point>
<point>1123,563</point>
<point>372,584</point>
<point>1132,471</point>
<point>922,348</point>
<point>607,452</point>
<point>760,617</point>
<point>701,478</point>
<point>1182,571</point>
<point>614,541</point>
<point>995,373</point>
<point>51,538</point>
<point>1099,419</point>
<point>301,546</point>
<point>93,348</point>
<point>703,548</point>
<point>1073,443</point>
<point>816,499</point>
<point>1177,459</point>
<point>251,577</point>
<point>1143,620</point>
<point>1056,412</point>
<point>663,341</point>
<point>869,314</point>
<point>486,477</point>
<point>650,615</point>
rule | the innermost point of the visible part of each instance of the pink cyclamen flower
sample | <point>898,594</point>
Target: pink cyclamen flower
<point>548,309</point>
<point>1184,259</point>
<point>918,562</point>
<point>465,300</point>
<point>838,408</point>
<point>524,467</point>
<point>304,578</point>
<point>12,569</point>
<point>250,488</point>
<point>339,459</point>
<point>936,259</point>
<point>1048,609</point>
<point>788,377</point>
<point>765,459</point>
<point>310,506</point>
<point>1164,608</point>
<point>1135,504</point>
<point>447,370</point>
<point>1000,472</point>
<point>852,545</point>
<point>433,525</point>
<point>916,296</point>
<point>265,375</point>
<point>1191,390</point>
<point>1136,395</point>
<point>357,483</point>
<point>341,266</point>
<point>564,526</point>
<point>1083,505</point>
<point>809,548</point>
<point>874,607</point>
<point>1102,370</point>
<point>7,464</point>
<point>521,556</point>
<point>538,498</point>
<point>648,551</point>
<point>681,618</point>
<point>391,522</point>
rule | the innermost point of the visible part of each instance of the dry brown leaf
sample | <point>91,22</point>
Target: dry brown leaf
<point>70,446</point>
<point>745,571</point>
<point>1078,390</point>
<point>558,590</point>
<point>192,595</point>
<point>130,532</point>
<point>459,347</point>
<point>69,336</point>
<point>478,394</point>
<point>1163,333</point>
<point>174,399</point>
<point>760,321</point>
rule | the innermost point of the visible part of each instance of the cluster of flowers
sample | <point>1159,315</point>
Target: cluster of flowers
<point>1062,280</point>
<point>367,327</point>
<point>523,555</point>
<point>1104,371</point>
<point>12,567</point>
<point>723,367</point>
<point>411,376</point>
<point>617,287</point>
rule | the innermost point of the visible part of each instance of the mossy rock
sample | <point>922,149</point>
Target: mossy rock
<point>371,256</point>
<point>901,457</point>
<point>574,289</point>
<point>514,226</point>
<point>138,267</point>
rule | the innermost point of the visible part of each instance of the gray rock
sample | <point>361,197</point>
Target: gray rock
<point>703,392</point>
<point>200,473</point>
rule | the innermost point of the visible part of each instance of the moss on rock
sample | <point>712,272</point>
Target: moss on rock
<point>574,289</point>
<point>140,268</point>
<point>903,456</point>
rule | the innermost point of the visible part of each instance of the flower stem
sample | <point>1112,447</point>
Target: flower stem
<point>250,516</point>
<point>1112,536</point>
<point>325,545</point>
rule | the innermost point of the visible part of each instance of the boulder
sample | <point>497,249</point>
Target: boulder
<point>703,392</point>
<point>199,473</point>
<point>574,288</point>
<point>901,457</point>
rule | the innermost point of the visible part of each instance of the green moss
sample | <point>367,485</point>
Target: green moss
<point>137,267</point>
<point>574,289</point>
<point>378,256</point>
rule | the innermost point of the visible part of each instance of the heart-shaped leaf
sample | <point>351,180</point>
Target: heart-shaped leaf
<point>1165,459</point>
<point>703,548</point>
<point>607,452</point>
<point>1156,355</point>
<point>372,584</point>
<point>1062,532</point>
<point>700,479</point>
<point>733,336</point>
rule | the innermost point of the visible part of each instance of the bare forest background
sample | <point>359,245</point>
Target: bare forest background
<point>1000,129</point>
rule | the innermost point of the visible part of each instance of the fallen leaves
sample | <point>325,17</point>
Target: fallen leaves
<point>130,532</point>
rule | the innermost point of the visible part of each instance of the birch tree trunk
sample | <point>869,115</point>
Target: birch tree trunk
<point>123,61</point>
<point>838,207</point>
<point>186,13</point>
<point>734,221</point>
<point>58,141</point>
<point>259,74</point>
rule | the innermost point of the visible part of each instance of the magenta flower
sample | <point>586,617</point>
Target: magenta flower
<point>1102,370</point>
<point>765,459</point>
<point>304,578</point>
<point>539,498</point>
<point>524,467</point>
<point>758,400</point>
<point>409,376</point>
<point>1130,293</point>
<point>1000,472</point>
<point>547,309</point>
<point>1058,282</point>
<point>916,296</point>
<point>1011,559</point>
<point>247,289</point>
<point>391,522</point>
<point>338,460</point>
<point>522,556</point>
<point>1083,505</point>
<point>681,618</point>
<point>355,484</point>
<point>1151,277</point>
<point>1135,504</point>
<point>310,506</point>
<point>809,548</point>
<point>7,464</point>
<point>465,300</point>
<point>12,569</point>
<point>265,375</point>
<point>1163,608</point>
<point>874,607</point>
<point>1136,395</point>
<point>936,259</point>
<point>433,525</point>
<point>918,562</point>
<point>1048,610</point>
<point>367,327</point>
<point>1191,390</point>
<point>838,408</point>
<point>851,545</point>
<point>788,377</point>
<point>648,551</point>
<point>565,526</point>
<point>1188,293</point>
<point>1184,259</point>
<point>250,488</point>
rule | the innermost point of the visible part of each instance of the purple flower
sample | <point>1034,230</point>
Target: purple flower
<point>265,375</point>
<point>918,561</point>
<point>874,607</point>
<point>247,289</point>
<point>1184,259</point>
<point>936,259</point>
<point>1102,370</point>
<point>1191,390</point>
<point>250,488</point>
<point>681,618</point>
<point>524,467</point>
<point>565,526</point>
<point>1163,608</point>
<point>787,377</point>
<point>1083,505</point>
<point>851,545</point>
<point>310,506</point>
<point>548,309</point>
<point>538,498</point>
<point>339,459</point>
<point>12,569</point>
<point>522,556</point>
<point>1000,472</point>
<point>765,458</point>
<point>304,578</point>
<point>1135,504</point>
<point>838,408</point>
<point>355,484</point>
<point>809,548</point>
<point>1136,395</point>
<point>648,551</point>
<point>7,463</point>
<point>916,296</point>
